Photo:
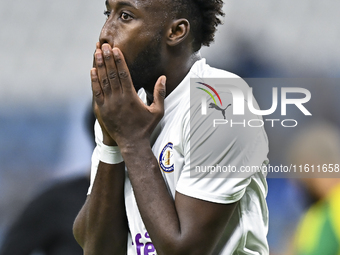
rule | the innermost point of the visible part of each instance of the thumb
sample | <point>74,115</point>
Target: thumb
<point>159,94</point>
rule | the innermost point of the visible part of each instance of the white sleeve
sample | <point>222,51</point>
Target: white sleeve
<point>95,155</point>
<point>225,146</point>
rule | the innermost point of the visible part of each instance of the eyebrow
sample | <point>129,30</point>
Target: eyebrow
<point>122,3</point>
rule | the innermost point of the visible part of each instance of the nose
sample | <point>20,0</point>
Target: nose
<point>105,36</point>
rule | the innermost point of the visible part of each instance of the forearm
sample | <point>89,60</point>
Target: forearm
<point>154,201</point>
<point>101,226</point>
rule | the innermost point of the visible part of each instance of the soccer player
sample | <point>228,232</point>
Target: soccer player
<point>142,198</point>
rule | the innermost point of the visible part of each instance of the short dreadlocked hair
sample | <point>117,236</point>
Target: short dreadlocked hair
<point>203,16</point>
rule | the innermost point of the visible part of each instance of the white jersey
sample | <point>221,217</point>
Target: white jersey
<point>247,229</point>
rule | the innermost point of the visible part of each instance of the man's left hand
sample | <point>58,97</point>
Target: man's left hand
<point>123,114</point>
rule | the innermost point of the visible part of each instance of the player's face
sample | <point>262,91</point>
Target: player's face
<point>136,28</point>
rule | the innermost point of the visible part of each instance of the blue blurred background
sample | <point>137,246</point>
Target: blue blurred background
<point>46,54</point>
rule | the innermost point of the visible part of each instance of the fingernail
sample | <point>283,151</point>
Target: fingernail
<point>105,47</point>
<point>98,56</point>
<point>115,51</point>
<point>93,72</point>
<point>163,80</point>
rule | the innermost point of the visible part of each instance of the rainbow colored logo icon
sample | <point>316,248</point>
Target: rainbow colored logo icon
<point>209,93</point>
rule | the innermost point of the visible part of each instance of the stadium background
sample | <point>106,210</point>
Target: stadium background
<point>46,54</point>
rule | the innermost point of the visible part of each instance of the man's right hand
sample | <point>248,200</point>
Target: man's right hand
<point>107,139</point>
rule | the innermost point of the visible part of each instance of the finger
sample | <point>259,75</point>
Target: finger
<point>94,61</point>
<point>111,69</point>
<point>123,70</point>
<point>159,96</point>
<point>98,96</point>
<point>102,76</point>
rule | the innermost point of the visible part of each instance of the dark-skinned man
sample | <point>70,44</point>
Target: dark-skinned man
<point>142,199</point>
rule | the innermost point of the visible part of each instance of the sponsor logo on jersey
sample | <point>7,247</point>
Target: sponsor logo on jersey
<point>166,158</point>
<point>143,246</point>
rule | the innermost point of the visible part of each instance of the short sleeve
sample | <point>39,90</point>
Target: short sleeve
<point>218,156</point>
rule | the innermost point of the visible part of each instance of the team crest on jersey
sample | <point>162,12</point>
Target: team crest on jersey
<point>166,158</point>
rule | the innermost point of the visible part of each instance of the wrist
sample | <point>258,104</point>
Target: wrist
<point>134,147</point>
<point>110,154</point>
<point>107,140</point>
